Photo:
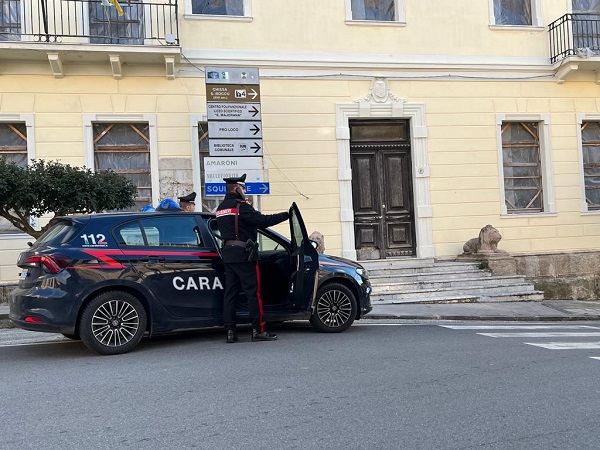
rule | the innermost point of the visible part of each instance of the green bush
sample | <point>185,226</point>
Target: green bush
<point>49,187</point>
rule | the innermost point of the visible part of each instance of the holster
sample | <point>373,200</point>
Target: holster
<point>252,249</point>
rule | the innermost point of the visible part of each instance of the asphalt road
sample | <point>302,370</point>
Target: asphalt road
<point>379,385</point>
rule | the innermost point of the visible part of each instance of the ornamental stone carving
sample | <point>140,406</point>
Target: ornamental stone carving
<point>486,243</point>
<point>380,92</point>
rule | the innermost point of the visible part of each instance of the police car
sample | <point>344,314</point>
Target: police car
<point>111,278</point>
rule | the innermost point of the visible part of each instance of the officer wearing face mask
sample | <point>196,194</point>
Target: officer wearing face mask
<point>238,222</point>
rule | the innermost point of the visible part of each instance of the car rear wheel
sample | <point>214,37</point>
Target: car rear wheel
<point>112,323</point>
<point>335,308</point>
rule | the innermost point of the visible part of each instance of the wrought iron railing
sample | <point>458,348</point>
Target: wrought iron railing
<point>574,34</point>
<point>131,22</point>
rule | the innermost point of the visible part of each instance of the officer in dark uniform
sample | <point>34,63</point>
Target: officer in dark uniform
<point>241,266</point>
<point>188,202</point>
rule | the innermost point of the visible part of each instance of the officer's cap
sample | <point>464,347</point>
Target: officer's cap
<point>190,198</point>
<point>239,180</point>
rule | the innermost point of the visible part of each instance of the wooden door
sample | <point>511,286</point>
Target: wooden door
<point>384,222</point>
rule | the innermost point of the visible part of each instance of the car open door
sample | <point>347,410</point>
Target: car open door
<point>305,261</point>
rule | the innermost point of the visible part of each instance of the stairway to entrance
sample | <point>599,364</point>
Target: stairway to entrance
<point>430,281</point>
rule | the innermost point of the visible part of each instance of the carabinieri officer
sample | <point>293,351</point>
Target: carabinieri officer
<point>238,222</point>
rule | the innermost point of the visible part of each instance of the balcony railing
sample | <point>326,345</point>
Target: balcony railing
<point>574,34</point>
<point>89,22</point>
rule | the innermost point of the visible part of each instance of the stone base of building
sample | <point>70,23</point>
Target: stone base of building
<point>571,275</point>
<point>5,289</point>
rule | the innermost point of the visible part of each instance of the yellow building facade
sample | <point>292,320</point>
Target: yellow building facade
<point>400,127</point>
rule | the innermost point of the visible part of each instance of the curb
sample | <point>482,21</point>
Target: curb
<point>483,318</point>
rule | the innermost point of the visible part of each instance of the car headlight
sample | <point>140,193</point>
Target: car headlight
<point>363,273</point>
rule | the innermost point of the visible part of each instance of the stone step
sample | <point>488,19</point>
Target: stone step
<point>426,276</point>
<point>425,280</point>
<point>404,262</point>
<point>523,296</point>
<point>466,283</point>
<point>465,290</point>
<point>425,268</point>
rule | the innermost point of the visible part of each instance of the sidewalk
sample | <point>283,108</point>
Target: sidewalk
<point>552,310</point>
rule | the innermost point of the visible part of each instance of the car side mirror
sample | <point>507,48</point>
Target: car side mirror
<point>315,244</point>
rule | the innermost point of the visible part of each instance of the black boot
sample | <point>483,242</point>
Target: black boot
<point>231,337</point>
<point>264,336</point>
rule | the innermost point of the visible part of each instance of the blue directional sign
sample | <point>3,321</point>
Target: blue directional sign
<point>260,188</point>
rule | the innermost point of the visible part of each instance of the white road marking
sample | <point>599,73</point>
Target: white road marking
<point>515,327</point>
<point>594,357</point>
<point>22,344</point>
<point>540,335</point>
<point>567,345</point>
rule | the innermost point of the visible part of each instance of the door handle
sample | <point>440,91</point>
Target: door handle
<point>152,259</point>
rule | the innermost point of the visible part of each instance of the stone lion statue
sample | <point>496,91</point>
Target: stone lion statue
<point>487,242</point>
<point>319,239</point>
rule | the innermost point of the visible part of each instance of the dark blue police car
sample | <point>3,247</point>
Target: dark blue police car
<point>109,279</point>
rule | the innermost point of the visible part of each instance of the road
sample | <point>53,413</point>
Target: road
<point>379,385</point>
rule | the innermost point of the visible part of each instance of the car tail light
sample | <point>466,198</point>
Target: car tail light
<point>52,264</point>
<point>32,319</point>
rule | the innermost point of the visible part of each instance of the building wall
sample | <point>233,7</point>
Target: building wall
<point>300,142</point>
<point>446,57</point>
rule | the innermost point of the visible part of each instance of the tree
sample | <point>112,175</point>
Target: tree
<point>46,187</point>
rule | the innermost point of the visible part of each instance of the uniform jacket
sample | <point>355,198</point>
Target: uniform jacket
<point>249,221</point>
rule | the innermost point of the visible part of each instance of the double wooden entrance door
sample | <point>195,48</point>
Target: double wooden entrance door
<point>382,191</point>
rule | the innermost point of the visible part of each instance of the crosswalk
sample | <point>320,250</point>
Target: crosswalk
<point>551,337</point>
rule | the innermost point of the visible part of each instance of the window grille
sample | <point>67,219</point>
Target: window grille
<point>13,147</point>
<point>522,167</point>
<point>590,143</point>
<point>125,149</point>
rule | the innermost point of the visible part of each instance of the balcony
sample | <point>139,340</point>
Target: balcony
<point>67,31</point>
<point>575,44</point>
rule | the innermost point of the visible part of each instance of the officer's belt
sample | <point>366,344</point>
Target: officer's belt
<point>235,244</point>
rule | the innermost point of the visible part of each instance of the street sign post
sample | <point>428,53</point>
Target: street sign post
<point>234,130</point>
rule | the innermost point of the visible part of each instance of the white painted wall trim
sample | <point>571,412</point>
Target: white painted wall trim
<point>545,156</point>
<point>88,142</point>
<point>419,64</point>
<point>397,109</point>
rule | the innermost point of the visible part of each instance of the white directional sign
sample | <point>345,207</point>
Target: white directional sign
<point>232,147</point>
<point>234,130</point>
<point>234,111</point>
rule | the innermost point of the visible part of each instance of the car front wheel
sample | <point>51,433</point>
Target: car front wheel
<point>112,323</point>
<point>335,308</point>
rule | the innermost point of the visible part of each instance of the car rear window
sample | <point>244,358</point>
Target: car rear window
<point>61,232</point>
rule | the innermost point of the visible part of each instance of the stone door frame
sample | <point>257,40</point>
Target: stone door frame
<point>380,103</point>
